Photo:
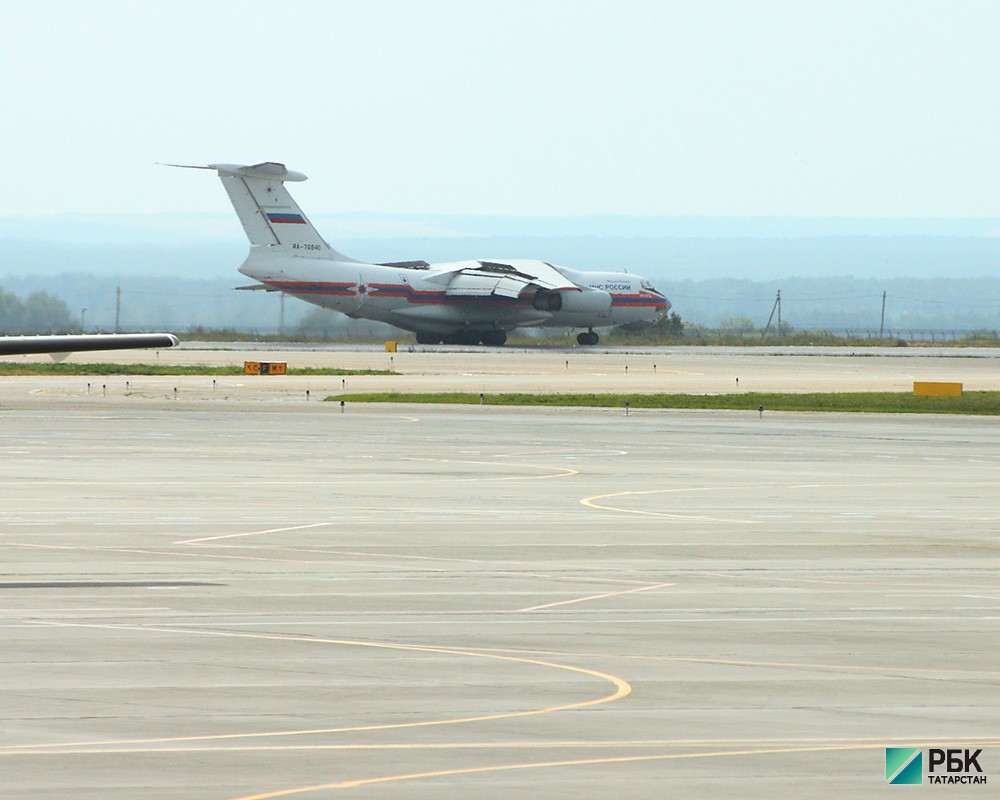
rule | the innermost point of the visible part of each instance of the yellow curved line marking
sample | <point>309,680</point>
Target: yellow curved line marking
<point>590,502</point>
<point>564,472</point>
<point>622,688</point>
<point>569,763</point>
<point>729,662</point>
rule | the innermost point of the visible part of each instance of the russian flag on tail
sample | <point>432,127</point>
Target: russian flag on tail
<point>292,219</point>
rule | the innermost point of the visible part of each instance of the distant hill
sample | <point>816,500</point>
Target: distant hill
<point>179,269</point>
<point>663,248</point>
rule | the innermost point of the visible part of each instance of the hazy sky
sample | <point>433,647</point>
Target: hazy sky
<point>707,108</point>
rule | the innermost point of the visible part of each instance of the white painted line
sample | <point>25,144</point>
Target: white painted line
<point>596,597</point>
<point>254,533</point>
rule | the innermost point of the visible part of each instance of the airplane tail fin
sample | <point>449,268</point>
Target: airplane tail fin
<point>272,220</point>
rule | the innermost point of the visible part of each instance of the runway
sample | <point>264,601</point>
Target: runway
<point>270,598</point>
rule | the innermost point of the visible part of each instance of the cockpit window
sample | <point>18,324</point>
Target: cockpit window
<point>646,285</point>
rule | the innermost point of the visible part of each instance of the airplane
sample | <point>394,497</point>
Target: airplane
<point>460,302</point>
<point>76,343</point>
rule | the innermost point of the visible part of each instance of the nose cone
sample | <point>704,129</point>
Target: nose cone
<point>651,307</point>
<point>653,299</point>
<point>662,305</point>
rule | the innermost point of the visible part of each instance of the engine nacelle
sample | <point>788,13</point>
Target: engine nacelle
<point>592,301</point>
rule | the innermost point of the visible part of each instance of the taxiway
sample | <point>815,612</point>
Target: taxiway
<point>270,598</point>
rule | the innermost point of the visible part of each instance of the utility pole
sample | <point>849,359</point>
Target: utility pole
<point>775,307</point>
<point>881,327</point>
<point>118,307</point>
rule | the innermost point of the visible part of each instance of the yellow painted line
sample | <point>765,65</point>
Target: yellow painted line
<point>591,502</point>
<point>837,667</point>
<point>353,784</point>
<point>622,687</point>
<point>564,472</point>
<point>767,664</point>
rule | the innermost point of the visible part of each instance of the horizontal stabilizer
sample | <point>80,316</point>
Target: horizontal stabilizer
<point>405,264</point>
<point>257,287</point>
<point>270,170</point>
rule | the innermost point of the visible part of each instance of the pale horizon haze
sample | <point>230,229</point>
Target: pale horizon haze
<point>856,109</point>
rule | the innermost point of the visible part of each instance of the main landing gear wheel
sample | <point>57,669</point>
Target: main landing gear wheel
<point>428,338</point>
<point>587,338</point>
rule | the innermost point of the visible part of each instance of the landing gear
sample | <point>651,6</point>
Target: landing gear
<point>495,338</point>
<point>491,338</point>
<point>428,338</point>
<point>461,337</point>
<point>588,338</point>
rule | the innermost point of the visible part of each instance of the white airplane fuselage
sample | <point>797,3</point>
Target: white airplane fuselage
<point>417,299</point>
<point>454,302</point>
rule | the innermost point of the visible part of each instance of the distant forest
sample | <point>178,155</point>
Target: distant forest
<point>178,272</point>
<point>65,302</point>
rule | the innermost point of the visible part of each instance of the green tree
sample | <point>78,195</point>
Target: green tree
<point>40,313</point>
<point>43,312</point>
<point>737,325</point>
<point>11,313</point>
<point>320,322</point>
<point>671,325</point>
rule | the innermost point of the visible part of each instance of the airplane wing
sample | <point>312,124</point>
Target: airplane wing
<point>74,343</point>
<point>503,279</point>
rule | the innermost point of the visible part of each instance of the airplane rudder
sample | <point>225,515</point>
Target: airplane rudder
<point>286,222</point>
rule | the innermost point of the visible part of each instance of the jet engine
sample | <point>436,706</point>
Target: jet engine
<point>591,301</point>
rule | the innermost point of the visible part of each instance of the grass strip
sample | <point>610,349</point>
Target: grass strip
<point>11,368</point>
<point>987,403</point>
